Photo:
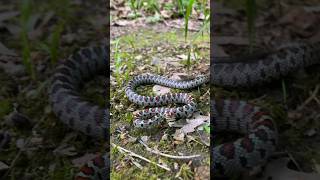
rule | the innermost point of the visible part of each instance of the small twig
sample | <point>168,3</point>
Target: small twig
<point>121,149</point>
<point>168,155</point>
<point>294,161</point>
<point>207,92</point>
<point>26,144</point>
<point>317,100</point>
<point>259,98</point>
<point>312,96</point>
<point>163,154</point>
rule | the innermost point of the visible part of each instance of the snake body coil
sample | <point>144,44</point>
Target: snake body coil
<point>288,58</point>
<point>260,138</point>
<point>228,158</point>
<point>76,112</point>
<point>150,117</point>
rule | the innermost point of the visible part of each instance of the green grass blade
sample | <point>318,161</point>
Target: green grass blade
<point>206,25</point>
<point>189,60</point>
<point>284,92</point>
<point>55,43</point>
<point>26,9</point>
<point>251,15</point>
<point>188,13</point>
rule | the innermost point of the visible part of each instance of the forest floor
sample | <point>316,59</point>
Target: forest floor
<point>43,34</point>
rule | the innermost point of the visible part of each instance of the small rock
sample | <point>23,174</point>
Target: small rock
<point>311,132</point>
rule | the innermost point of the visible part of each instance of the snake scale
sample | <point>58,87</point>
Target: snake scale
<point>75,111</point>
<point>260,138</point>
<point>252,150</point>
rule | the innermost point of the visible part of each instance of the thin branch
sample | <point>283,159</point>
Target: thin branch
<point>168,155</point>
<point>130,153</point>
<point>313,96</point>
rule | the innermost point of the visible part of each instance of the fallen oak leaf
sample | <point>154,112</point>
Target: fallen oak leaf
<point>3,166</point>
<point>198,120</point>
<point>78,162</point>
<point>178,136</point>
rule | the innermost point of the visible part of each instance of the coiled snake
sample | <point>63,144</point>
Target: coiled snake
<point>76,112</point>
<point>228,158</point>
<point>260,138</point>
<point>152,116</point>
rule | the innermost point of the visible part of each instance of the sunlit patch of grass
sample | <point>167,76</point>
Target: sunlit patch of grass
<point>187,15</point>
<point>135,5</point>
<point>185,172</point>
<point>123,63</point>
<point>150,6</point>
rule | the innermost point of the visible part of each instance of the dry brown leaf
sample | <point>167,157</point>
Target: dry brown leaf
<point>78,162</point>
<point>182,56</point>
<point>193,123</point>
<point>178,136</point>
<point>145,138</point>
<point>166,14</point>
<point>3,166</point>
<point>123,23</point>
<point>178,76</point>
